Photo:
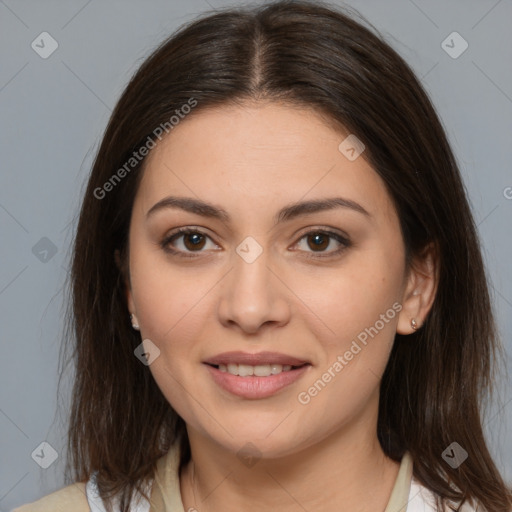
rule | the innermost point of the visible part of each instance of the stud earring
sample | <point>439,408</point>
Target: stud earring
<point>135,325</point>
<point>414,324</point>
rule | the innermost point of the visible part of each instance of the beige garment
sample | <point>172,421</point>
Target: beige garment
<point>400,493</point>
<point>166,494</point>
<point>69,499</point>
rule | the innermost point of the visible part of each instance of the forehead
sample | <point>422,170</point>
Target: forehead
<point>268,133</point>
<point>253,155</point>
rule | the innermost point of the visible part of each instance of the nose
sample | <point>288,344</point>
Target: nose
<point>253,295</point>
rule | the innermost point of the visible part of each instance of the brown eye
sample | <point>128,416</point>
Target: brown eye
<point>318,241</point>
<point>184,242</point>
<point>193,240</point>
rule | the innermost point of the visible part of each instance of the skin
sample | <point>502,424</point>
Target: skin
<point>251,160</point>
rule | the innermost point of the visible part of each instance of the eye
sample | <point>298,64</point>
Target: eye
<point>192,241</point>
<point>320,240</point>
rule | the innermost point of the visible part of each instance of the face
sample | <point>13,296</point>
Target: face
<point>258,285</point>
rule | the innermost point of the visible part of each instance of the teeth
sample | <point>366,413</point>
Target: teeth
<point>264,370</point>
<point>276,368</point>
<point>244,370</point>
<point>261,370</point>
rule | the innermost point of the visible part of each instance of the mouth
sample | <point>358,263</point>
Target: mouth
<point>255,376</point>
<point>260,370</point>
<point>257,359</point>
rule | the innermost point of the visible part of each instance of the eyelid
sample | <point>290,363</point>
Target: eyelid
<point>324,230</point>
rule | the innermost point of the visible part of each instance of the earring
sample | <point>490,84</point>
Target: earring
<point>135,325</point>
<point>414,324</point>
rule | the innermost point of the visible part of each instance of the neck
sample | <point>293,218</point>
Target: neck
<point>346,471</point>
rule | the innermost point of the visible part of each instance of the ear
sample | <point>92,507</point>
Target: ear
<point>126,278</point>
<point>420,290</point>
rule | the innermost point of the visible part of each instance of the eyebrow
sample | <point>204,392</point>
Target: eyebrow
<point>291,211</point>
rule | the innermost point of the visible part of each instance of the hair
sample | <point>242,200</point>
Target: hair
<point>312,55</point>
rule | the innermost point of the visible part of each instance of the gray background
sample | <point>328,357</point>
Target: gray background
<point>54,110</point>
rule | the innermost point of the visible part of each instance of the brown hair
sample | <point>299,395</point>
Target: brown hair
<point>313,55</point>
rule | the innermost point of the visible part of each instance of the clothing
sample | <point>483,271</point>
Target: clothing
<point>408,495</point>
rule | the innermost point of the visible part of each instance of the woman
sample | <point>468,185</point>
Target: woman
<point>278,295</point>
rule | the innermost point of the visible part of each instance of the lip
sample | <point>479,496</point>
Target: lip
<point>252,387</point>
<point>255,359</point>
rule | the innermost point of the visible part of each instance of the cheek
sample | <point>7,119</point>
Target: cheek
<point>361,307</point>
<point>167,299</point>
<point>352,297</point>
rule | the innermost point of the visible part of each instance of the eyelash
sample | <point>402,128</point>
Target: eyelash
<point>345,243</point>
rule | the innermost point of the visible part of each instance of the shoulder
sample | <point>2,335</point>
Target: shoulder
<point>422,499</point>
<point>68,499</point>
<point>81,497</point>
